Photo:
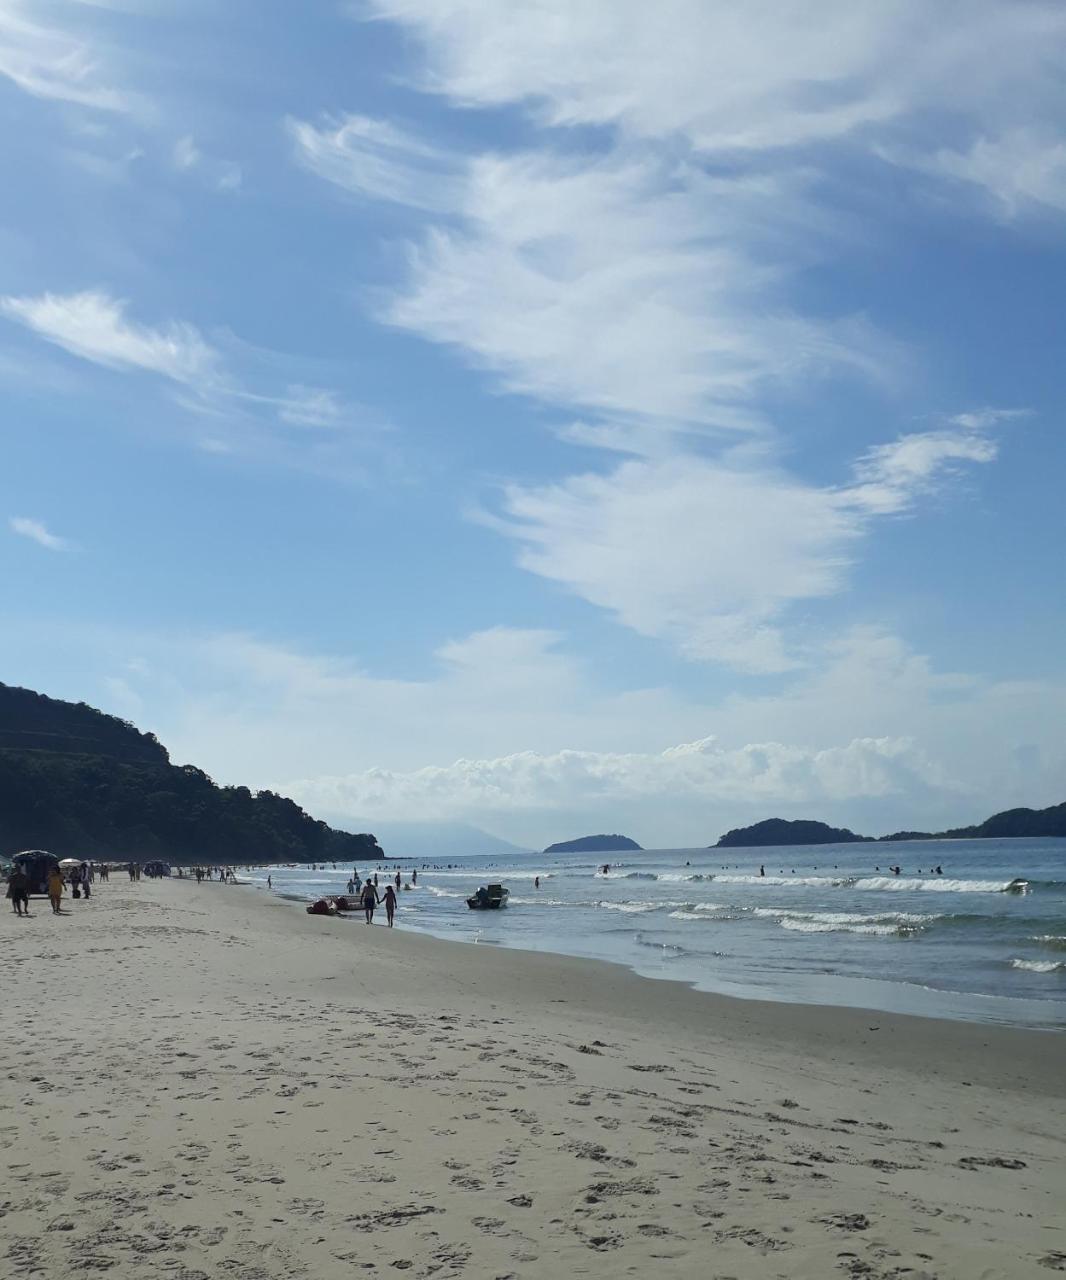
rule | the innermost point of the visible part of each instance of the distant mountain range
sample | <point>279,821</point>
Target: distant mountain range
<point>595,844</point>
<point>83,784</point>
<point>439,841</point>
<point>1028,823</point>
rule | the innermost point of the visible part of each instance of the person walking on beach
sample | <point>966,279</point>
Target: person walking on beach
<point>18,890</point>
<point>390,903</point>
<point>86,880</point>
<point>370,900</point>
<point>55,889</point>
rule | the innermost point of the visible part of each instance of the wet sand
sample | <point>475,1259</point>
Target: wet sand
<point>218,1085</point>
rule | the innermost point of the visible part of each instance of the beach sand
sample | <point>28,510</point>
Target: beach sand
<point>200,1082</point>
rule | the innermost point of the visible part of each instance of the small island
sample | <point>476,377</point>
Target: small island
<point>1027,824</point>
<point>595,844</point>
<point>779,831</point>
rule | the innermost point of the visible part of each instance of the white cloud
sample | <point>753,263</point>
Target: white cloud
<point>763,773</point>
<point>374,158</point>
<point>982,419</point>
<point>311,407</point>
<point>186,153</point>
<point>629,285</point>
<point>711,556</point>
<point>1019,170</point>
<point>888,477</point>
<point>187,157</point>
<point>93,325</point>
<point>53,62</point>
<point>511,731</point>
<point>688,550</point>
<point>765,75</point>
<point>37,531</point>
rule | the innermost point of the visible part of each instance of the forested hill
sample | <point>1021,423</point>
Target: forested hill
<point>33,722</point>
<point>779,831</point>
<point>1011,823</point>
<point>84,784</point>
<point>594,844</point>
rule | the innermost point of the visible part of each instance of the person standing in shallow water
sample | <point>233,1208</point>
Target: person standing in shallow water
<point>390,903</point>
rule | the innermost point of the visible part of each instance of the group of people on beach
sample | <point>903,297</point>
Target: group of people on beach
<point>224,875</point>
<point>78,879</point>
<point>369,897</point>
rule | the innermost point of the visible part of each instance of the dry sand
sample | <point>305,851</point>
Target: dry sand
<point>202,1082</point>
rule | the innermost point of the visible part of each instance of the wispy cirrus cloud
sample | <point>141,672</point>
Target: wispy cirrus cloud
<point>96,326</point>
<point>53,59</point>
<point>711,556</point>
<point>765,78</point>
<point>37,531</point>
<point>646,277</point>
<point>375,158</point>
<point>627,285</point>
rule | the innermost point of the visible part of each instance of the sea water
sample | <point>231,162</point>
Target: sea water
<point>829,924</point>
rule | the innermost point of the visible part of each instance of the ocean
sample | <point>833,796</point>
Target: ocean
<point>831,924</point>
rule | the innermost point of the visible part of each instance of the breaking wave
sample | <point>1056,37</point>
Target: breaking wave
<point>938,884</point>
<point>1040,966</point>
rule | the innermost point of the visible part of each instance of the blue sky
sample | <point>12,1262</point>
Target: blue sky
<point>552,417</point>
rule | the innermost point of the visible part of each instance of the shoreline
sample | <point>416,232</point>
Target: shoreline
<point>620,987</point>
<point>966,1004</point>
<point>231,1087</point>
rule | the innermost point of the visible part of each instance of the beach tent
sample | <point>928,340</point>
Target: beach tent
<point>37,864</point>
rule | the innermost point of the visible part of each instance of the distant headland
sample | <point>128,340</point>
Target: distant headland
<point>1010,824</point>
<point>595,844</point>
<point>84,784</point>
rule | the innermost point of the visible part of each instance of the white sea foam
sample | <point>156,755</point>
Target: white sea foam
<point>826,926</point>
<point>844,917</point>
<point>939,884</point>
<point>473,873</point>
<point>631,908</point>
<point>702,911</point>
<point>1040,966</point>
<point>443,893</point>
<point>540,901</point>
<point>815,881</point>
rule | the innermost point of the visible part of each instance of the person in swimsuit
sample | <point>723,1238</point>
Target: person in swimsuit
<point>370,900</point>
<point>390,903</point>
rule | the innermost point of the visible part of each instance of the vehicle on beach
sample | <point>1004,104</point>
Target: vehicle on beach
<point>488,898</point>
<point>38,865</point>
